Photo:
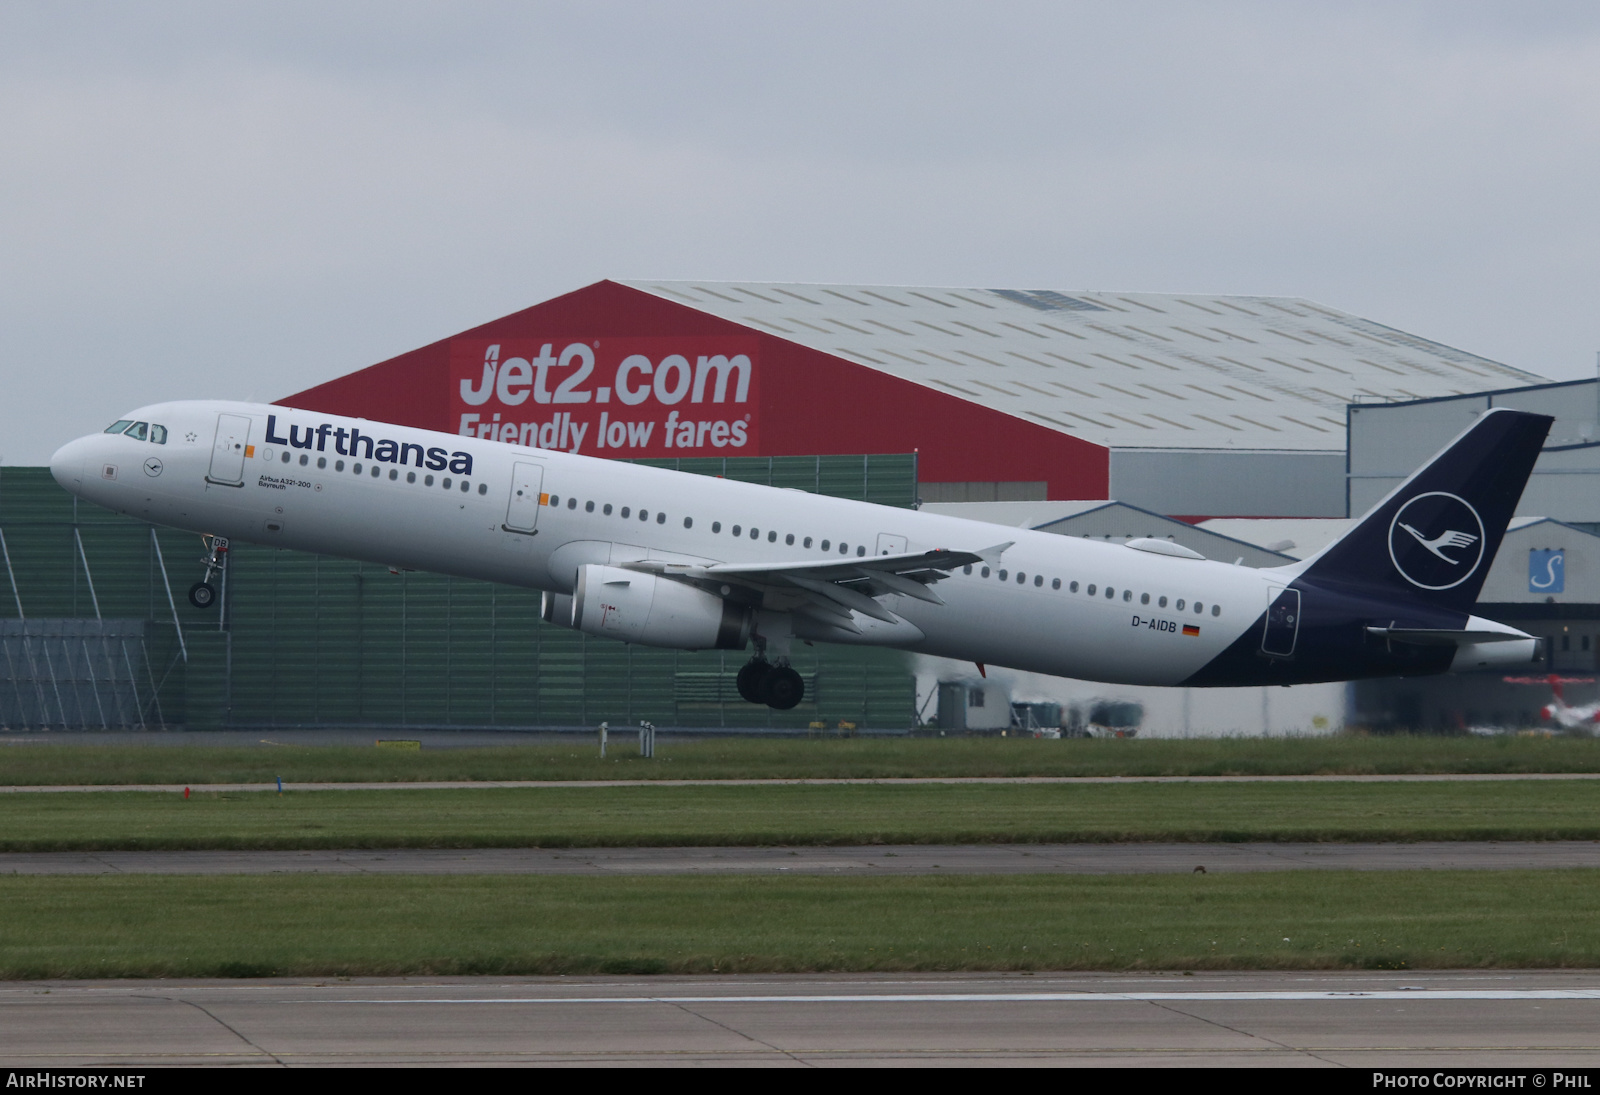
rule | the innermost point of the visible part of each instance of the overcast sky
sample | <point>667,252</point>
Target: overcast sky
<point>242,200</point>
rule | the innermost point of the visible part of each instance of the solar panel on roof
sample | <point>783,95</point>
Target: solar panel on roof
<point>1047,300</point>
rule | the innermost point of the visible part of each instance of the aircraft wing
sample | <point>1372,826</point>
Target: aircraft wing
<point>831,589</point>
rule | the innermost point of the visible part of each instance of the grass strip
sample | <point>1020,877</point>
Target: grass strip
<point>152,926</point>
<point>24,764</point>
<point>642,814</point>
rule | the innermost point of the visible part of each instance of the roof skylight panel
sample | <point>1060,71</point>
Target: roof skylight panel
<point>985,360</point>
<point>1046,300</point>
<point>1234,335</point>
<point>719,296</point>
<point>848,326</point>
<point>1280,361</point>
<point>1031,360</point>
<point>1024,330</point>
<point>1102,302</point>
<point>1245,364</point>
<point>974,327</point>
<point>1142,304</point>
<point>934,327</point>
<point>1218,422</point>
<point>676,293</point>
<point>1248,392</point>
<point>1253,422</point>
<point>1118,361</point>
<point>1195,334</point>
<point>1148,334</point>
<point>970,300</point>
<point>933,300</point>
<point>1122,391</point>
<point>1198,307</point>
<point>1159,391</point>
<point>1112,331</point>
<point>1307,425</point>
<point>997,388</point>
<point>1169,421</point>
<point>758,296</point>
<point>955,387</point>
<point>1157,361</point>
<point>1071,414</point>
<point>1068,360</point>
<point>1235,307</point>
<point>1279,305</point>
<point>1063,331</point>
<point>1291,338</point>
<point>857,353</point>
<point>940,357</point>
<point>882,297</point>
<point>767,323</point>
<point>1031,388</point>
<point>803,323</point>
<point>852,300</point>
<point>1129,421</point>
<point>1322,365</point>
<point>902,357</point>
<point>1385,368</point>
<point>887,327</point>
<point>796,296</point>
<point>1074,391</point>
<point>1212,394</point>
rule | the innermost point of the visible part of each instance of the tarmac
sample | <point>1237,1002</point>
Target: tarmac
<point>1455,1021</point>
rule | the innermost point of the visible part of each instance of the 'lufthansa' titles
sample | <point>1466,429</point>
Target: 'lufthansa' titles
<point>380,450</point>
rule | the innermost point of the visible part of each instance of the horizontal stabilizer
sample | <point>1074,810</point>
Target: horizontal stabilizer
<point>1437,636</point>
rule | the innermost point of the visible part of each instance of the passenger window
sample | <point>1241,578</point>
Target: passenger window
<point>755,534</point>
<point>736,530</point>
<point>1090,590</point>
<point>772,538</point>
<point>1199,608</point>
<point>377,471</point>
<point>861,549</point>
<point>844,549</point>
<point>555,500</point>
<point>1216,610</point>
<point>119,425</point>
<point>158,434</point>
<point>355,469</point>
<point>138,430</point>
<point>285,456</point>
<point>1021,578</point>
<point>1073,588</point>
<point>483,488</point>
<point>1180,604</point>
<point>1110,593</point>
<point>1055,583</point>
<point>411,477</point>
<point>427,480</point>
<point>394,474</point>
<point>1038,580</point>
<point>322,462</point>
<point>1144,598</point>
<point>789,539</point>
<point>688,522</point>
<point>625,511</point>
<point>716,526</point>
<point>572,503</point>
<point>825,548</point>
<point>1162,603</point>
<point>588,507</point>
<point>606,509</point>
<point>984,573</point>
<point>644,515</point>
<point>465,486</point>
<point>1127,595</point>
<point>967,569</point>
<point>445,483</point>
<point>338,465</point>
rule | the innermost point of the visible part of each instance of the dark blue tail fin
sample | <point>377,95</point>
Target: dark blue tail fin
<point>1432,540</point>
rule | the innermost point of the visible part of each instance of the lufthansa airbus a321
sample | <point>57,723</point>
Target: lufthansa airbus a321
<point>676,560</point>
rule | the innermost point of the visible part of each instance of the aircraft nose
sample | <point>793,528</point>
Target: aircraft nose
<point>66,466</point>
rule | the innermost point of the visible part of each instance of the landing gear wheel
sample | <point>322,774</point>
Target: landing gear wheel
<point>784,688</point>
<point>752,677</point>
<point>202,595</point>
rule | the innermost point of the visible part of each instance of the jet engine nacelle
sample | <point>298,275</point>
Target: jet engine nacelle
<point>642,608</point>
<point>556,608</point>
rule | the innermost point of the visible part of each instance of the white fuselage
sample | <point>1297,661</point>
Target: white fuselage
<point>1032,608</point>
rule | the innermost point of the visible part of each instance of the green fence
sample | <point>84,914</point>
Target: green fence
<point>312,640</point>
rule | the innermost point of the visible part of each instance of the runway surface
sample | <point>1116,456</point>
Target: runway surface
<point>905,859</point>
<point>460,785</point>
<point>1431,1020</point>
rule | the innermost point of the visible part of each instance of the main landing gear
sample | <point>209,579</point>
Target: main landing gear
<point>777,686</point>
<point>202,594</point>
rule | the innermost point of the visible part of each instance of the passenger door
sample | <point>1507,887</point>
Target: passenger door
<point>890,544</point>
<point>227,451</point>
<point>1283,622</point>
<point>522,509</point>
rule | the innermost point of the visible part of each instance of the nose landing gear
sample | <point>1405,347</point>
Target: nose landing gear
<point>777,686</point>
<point>202,594</point>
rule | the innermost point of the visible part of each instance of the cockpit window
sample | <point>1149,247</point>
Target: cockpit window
<point>138,430</point>
<point>119,425</point>
<point>158,434</point>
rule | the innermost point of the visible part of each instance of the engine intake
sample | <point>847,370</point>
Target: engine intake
<point>642,608</point>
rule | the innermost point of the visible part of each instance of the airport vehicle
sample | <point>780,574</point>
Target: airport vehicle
<point>669,559</point>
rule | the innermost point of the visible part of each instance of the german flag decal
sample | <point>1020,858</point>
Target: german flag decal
<point>1190,629</point>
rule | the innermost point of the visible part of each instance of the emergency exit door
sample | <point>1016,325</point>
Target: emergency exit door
<point>522,510</point>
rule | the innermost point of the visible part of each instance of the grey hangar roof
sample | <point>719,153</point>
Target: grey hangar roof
<point>1123,370</point>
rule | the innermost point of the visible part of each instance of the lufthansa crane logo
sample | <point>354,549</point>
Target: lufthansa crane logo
<point>1436,541</point>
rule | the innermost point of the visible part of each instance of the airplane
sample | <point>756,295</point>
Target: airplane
<point>670,559</point>
<point>1583,717</point>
